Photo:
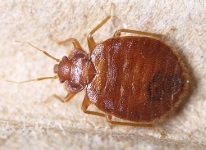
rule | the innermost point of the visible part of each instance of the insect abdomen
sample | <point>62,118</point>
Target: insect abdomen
<point>138,78</point>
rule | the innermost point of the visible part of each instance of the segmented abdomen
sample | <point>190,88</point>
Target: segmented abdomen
<point>138,78</point>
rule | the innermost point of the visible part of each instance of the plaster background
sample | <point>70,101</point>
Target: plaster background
<point>29,121</point>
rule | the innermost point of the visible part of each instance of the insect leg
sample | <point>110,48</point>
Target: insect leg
<point>118,33</point>
<point>68,97</point>
<point>85,105</point>
<point>73,40</point>
<point>90,39</point>
<point>109,119</point>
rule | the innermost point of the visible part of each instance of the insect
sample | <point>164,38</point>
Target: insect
<point>138,79</point>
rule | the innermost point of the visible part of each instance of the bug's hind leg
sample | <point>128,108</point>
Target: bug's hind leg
<point>118,33</point>
<point>90,39</point>
<point>85,105</point>
<point>109,119</point>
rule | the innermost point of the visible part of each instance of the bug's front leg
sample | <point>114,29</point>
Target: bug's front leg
<point>85,105</point>
<point>67,98</point>
<point>72,40</point>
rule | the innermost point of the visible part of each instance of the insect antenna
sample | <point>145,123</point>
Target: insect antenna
<point>41,78</point>
<point>45,53</point>
<point>37,79</point>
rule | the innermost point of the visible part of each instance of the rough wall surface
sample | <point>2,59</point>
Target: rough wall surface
<point>31,119</point>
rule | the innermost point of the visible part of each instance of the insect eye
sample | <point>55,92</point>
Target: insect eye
<point>56,68</point>
<point>61,80</point>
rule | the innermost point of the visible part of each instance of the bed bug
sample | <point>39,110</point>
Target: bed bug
<point>138,79</point>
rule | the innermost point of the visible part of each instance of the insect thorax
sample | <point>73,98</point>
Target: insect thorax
<point>75,71</point>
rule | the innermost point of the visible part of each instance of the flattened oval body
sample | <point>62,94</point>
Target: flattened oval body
<point>138,79</point>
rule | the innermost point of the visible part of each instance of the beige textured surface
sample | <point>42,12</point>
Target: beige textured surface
<point>28,122</point>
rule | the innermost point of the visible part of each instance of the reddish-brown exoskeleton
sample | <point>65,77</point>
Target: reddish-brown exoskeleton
<point>135,78</point>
